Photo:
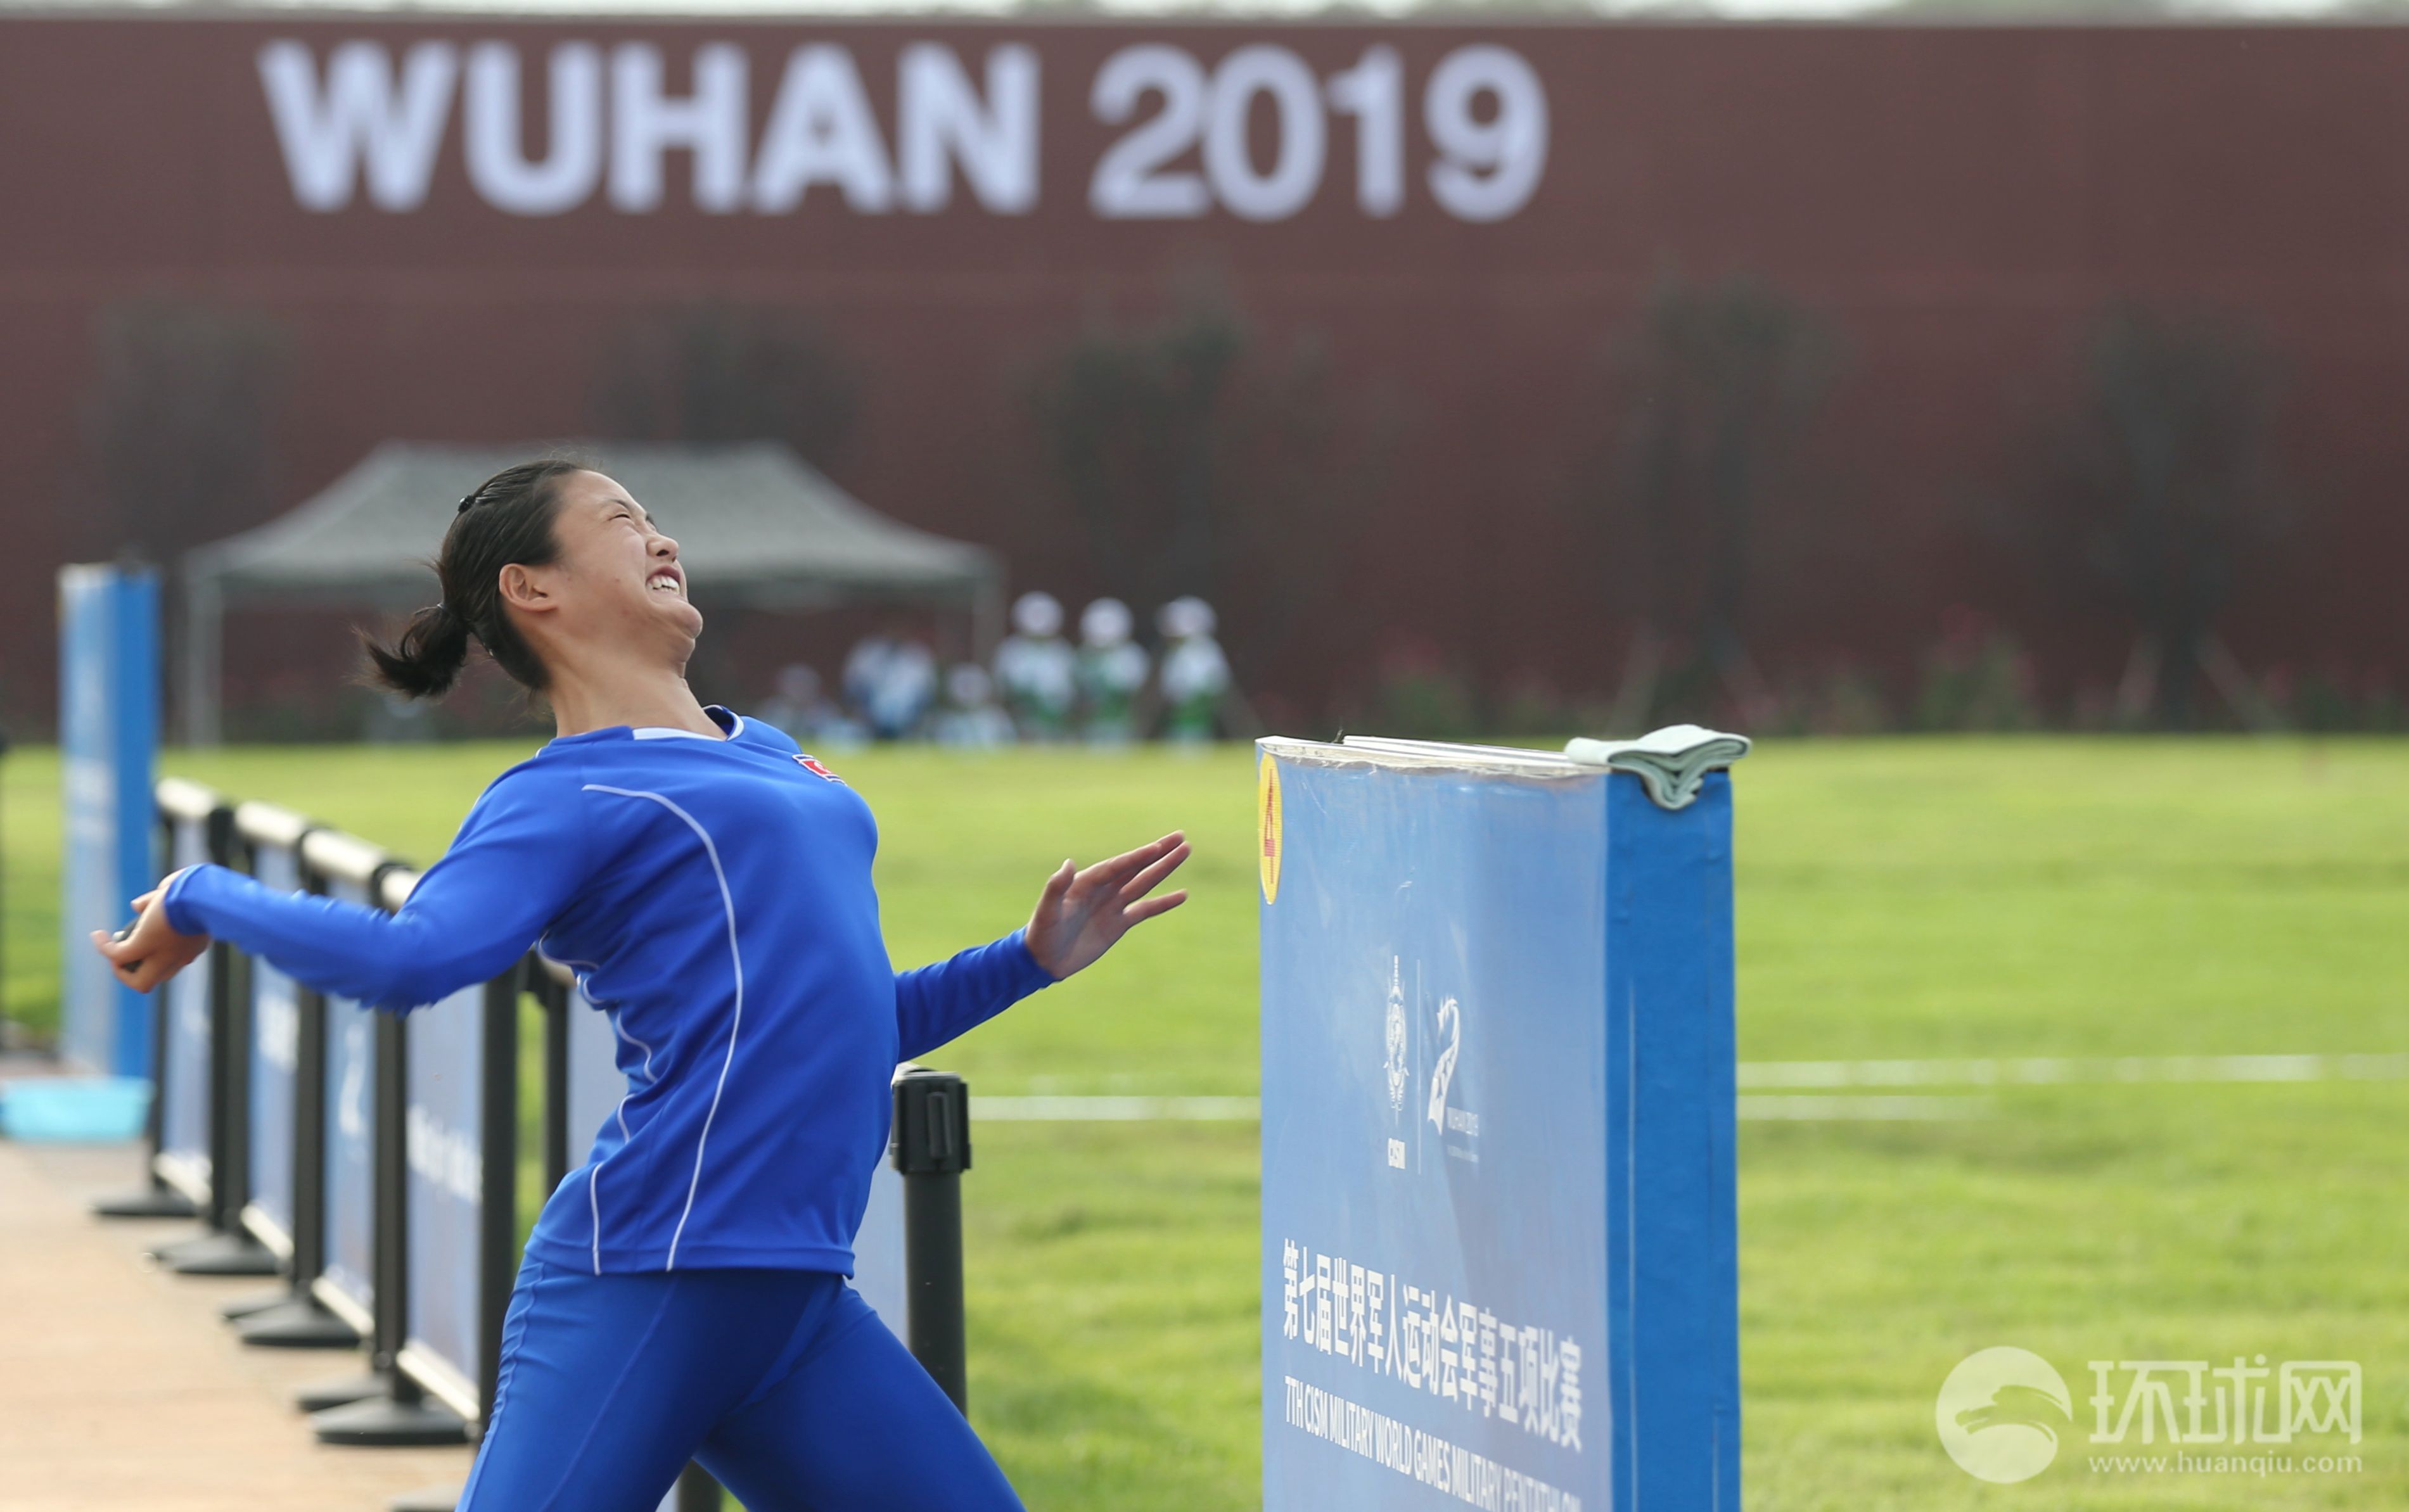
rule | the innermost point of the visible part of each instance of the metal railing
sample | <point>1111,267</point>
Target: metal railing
<point>370,1160</point>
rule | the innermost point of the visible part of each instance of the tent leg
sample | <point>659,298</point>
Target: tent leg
<point>204,631</point>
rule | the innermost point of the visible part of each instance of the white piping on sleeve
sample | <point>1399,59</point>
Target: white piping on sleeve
<point>736,1018</point>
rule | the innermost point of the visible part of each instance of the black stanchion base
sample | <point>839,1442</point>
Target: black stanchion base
<point>151,1202</point>
<point>218,1254</point>
<point>258,1302</point>
<point>433,1499</point>
<point>326,1395</point>
<point>296,1323</point>
<point>381,1422</point>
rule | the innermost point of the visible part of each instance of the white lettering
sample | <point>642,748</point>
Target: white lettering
<point>1487,170</point>
<point>1130,181</point>
<point>498,163</point>
<point>938,117</point>
<point>444,1157</point>
<point>646,122</point>
<point>1296,166</point>
<point>374,116</point>
<point>1373,92</point>
<point>362,122</point>
<point>821,131</point>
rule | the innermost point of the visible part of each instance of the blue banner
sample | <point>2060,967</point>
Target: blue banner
<point>351,1142</point>
<point>275,1061</point>
<point>108,735</point>
<point>1468,971</point>
<point>184,1081</point>
<point>878,1252</point>
<point>444,1123</point>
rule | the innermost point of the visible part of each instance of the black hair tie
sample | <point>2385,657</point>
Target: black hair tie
<point>465,501</point>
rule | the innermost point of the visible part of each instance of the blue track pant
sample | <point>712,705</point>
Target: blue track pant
<point>784,1384</point>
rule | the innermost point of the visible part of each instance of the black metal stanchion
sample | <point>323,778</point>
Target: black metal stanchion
<point>229,1248</point>
<point>552,994</point>
<point>931,1147</point>
<point>497,1213</point>
<point>328,857</point>
<point>296,1318</point>
<point>301,1321</point>
<point>402,1414</point>
<point>497,1116</point>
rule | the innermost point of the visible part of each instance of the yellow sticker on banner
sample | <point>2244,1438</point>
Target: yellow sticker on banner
<point>1267,813</point>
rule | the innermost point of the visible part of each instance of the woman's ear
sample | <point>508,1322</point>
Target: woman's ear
<point>524,588</point>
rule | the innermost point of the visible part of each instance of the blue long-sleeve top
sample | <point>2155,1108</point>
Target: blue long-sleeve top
<point>715,898</point>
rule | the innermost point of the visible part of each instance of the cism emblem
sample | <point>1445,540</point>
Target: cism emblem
<point>1396,1042</point>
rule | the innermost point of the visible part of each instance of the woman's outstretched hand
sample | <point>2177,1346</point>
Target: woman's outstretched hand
<point>151,951</point>
<point>1080,914</point>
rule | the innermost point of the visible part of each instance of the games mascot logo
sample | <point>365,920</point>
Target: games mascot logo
<point>1450,1025</point>
<point>2000,1413</point>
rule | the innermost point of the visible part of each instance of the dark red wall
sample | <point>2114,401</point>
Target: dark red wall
<point>1955,203</point>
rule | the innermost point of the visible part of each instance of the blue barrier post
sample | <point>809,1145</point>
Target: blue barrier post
<point>109,734</point>
<point>1499,1233</point>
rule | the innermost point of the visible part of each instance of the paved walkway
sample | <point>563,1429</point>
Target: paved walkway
<point>120,1390</point>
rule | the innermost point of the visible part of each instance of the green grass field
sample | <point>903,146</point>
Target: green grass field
<point>1896,899</point>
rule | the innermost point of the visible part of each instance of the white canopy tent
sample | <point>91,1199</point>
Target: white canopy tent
<point>755,526</point>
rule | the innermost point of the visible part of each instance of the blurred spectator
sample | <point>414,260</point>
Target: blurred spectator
<point>971,718</point>
<point>862,666</point>
<point>798,708</point>
<point>891,680</point>
<point>1195,676</point>
<point>1037,669</point>
<point>1112,671</point>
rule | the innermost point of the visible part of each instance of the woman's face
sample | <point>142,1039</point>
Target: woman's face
<point>617,579</point>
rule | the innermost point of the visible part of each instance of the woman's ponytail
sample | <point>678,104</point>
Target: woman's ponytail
<point>426,659</point>
<point>506,519</point>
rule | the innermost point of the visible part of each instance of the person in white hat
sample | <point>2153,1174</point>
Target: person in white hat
<point>1195,675</point>
<point>1112,672</point>
<point>1036,669</point>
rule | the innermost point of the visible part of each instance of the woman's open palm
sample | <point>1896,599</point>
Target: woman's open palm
<point>1082,914</point>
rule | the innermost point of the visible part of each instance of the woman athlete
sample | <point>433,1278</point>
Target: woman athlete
<point>684,1294</point>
